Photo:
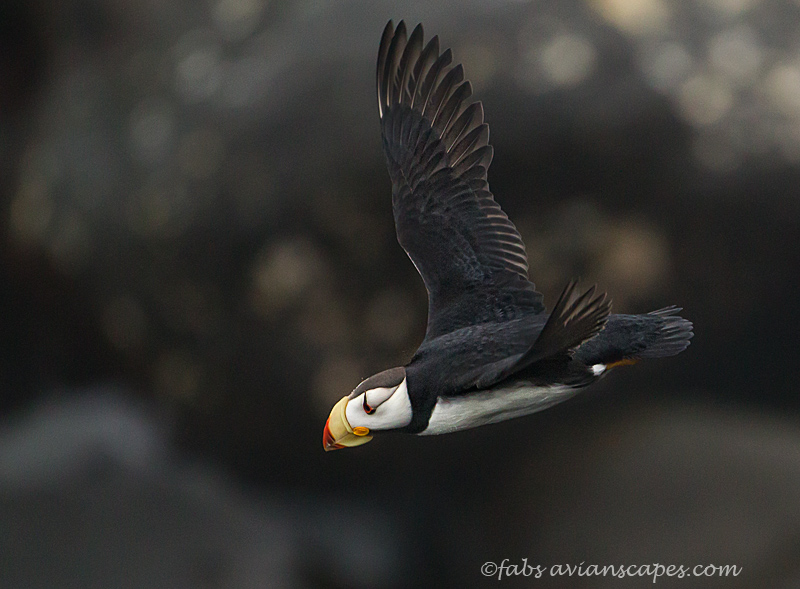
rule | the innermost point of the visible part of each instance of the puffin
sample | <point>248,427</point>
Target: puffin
<point>491,351</point>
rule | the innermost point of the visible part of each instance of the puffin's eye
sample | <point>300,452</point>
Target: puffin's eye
<point>369,410</point>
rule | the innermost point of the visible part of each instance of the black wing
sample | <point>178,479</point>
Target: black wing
<point>469,254</point>
<point>574,320</point>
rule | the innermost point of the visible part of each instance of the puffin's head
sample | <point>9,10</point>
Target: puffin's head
<point>379,403</point>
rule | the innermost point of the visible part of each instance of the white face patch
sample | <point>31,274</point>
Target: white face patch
<point>490,406</point>
<point>392,408</point>
<point>598,369</point>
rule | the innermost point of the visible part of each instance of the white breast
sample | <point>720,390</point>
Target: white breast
<point>492,405</point>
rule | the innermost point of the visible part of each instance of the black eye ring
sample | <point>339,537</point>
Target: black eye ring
<point>368,409</point>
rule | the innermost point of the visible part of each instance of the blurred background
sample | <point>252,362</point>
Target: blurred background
<point>197,259</point>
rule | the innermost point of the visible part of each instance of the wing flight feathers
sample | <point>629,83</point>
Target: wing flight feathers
<point>469,254</point>
<point>574,320</point>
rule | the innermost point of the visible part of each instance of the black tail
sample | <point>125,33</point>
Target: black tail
<point>631,337</point>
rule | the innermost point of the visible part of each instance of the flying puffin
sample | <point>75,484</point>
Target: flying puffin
<point>491,351</point>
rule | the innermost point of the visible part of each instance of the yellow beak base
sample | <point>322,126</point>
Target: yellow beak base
<point>338,433</point>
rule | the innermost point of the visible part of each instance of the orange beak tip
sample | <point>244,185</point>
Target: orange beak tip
<point>328,442</point>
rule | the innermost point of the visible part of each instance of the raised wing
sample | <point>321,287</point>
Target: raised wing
<point>469,254</point>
